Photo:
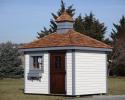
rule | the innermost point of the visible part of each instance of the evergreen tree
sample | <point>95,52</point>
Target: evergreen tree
<point>53,26</point>
<point>78,25</point>
<point>87,25</point>
<point>118,54</point>
<point>90,26</point>
<point>9,60</point>
<point>43,32</point>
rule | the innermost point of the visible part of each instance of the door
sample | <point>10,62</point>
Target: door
<point>57,72</point>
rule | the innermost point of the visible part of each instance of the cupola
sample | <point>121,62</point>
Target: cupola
<point>64,23</point>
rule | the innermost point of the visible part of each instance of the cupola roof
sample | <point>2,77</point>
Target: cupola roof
<point>64,17</point>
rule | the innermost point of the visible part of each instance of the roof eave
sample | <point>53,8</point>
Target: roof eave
<point>67,48</point>
<point>64,21</point>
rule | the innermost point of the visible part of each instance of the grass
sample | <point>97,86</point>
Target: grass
<point>116,86</point>
<point>12,89</point>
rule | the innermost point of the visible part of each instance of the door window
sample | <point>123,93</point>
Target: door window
<point>58,62</point>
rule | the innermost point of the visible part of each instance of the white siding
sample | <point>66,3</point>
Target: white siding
<point>64,27</point>
<point>69,73</point>
<point>90,73</point>
<point>36,86</point>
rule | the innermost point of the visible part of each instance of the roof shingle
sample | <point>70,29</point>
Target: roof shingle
<point>64,17</point>
<point>71,38</point>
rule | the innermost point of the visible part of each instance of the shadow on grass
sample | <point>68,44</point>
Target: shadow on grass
<point>21,89</point>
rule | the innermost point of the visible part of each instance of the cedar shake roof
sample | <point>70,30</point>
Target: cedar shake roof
<point>64,17</point>
<point>71,38</point>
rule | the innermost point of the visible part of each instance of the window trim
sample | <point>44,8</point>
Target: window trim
<point>31,62</point>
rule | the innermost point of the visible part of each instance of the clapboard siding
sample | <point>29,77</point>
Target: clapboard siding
<point>90,73</point>
<point>69,73</point>
<point>36,86</point>
<point>85,74</point>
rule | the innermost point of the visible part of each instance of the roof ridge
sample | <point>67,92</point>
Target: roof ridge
<point>91,38</point>
<point>70,36</point>
<point>35,40</point>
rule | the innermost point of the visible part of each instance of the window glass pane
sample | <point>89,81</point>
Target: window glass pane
<point>39,59</point>
<point>37,62</point>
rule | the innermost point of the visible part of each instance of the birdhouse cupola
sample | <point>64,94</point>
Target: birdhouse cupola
<point>64,23</point>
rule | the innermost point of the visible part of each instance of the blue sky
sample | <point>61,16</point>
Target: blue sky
<point>20,20</point>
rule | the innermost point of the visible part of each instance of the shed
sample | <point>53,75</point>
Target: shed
<point>65,62</point>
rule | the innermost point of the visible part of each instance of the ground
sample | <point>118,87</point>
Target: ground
<point>12,89</point>
<point>116,86</point>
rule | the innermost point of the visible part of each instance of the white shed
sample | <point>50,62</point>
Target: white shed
<point>66,62</point>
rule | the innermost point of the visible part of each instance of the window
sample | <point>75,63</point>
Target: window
<point>37,62</point>
<point>58,62</point>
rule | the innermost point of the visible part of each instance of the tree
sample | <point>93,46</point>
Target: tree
<point>53,26</point>
<point>87,25</point>
<point>90,26</point>
<point>118,55</point>
<point>78,25</point>
<point>43,32</point>
<point>9,60</point>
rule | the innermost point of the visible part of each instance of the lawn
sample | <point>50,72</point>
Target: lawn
<point>116,86</point>
<point>12,89</point>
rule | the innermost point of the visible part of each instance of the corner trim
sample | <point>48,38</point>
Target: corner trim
<point>73,72</point>
<point>49,73</point>
<point>106,73</point>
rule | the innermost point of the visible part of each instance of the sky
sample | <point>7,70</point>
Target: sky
<point>20,20</point>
